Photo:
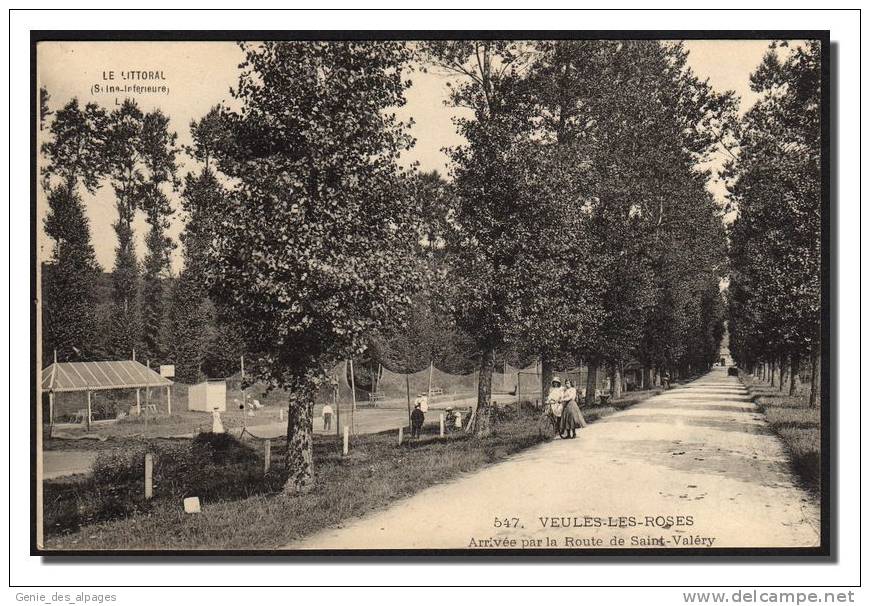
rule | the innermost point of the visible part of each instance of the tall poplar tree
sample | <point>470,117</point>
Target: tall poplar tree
<point>74,159</point>
<point>124,151</point>
<point>159,162</point>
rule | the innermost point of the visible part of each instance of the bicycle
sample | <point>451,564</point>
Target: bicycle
<point>548,425</point>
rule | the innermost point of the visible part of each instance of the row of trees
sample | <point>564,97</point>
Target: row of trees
<point>584,230</point>
<point>576,226</point>
<point>776,187</point>
<point>145,311</point>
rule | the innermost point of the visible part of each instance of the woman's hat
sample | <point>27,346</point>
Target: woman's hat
<point>556,380</point>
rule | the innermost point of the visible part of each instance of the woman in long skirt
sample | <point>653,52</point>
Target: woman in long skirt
<point>572,418</point>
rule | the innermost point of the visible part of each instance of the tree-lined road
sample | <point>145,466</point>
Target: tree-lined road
<point>698,460</point>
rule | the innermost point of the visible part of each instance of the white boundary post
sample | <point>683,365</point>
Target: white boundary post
<point>353,397</point>
<point>429,387</point>
<point>149,472</point>
<point>89,410</point>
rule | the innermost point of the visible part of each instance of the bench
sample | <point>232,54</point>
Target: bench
<point>376,396</point>
<point>437,391</point>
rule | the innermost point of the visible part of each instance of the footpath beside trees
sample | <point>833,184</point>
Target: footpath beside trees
<point>315,249</point>
<point>775,241</point>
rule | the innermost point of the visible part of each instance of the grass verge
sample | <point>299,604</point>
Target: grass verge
<point>243,508</point>
<point>796,423</point>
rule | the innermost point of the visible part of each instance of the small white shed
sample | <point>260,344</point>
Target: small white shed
<point>208,396</point>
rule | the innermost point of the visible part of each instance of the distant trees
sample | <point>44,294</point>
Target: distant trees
<point>140,159</point>
<point>192,314</point>
<point>315,245</point>
<point>74,159</point>
<point>775,241</point>
<point>159,160</point>
<point>427,333</point>
<point>135,152</point>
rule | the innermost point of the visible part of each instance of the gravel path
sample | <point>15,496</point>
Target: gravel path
<point>694,467</point>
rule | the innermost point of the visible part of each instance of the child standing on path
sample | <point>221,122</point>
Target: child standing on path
<point>417,419</point>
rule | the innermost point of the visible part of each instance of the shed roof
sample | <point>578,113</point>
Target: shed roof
<point>96,376</point>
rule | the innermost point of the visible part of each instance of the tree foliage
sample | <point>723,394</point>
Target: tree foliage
<point>315,245</point>
<point>74,159</point>
<point>775,241</point>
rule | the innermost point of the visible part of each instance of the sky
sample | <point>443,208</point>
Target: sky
<point>198,75</point>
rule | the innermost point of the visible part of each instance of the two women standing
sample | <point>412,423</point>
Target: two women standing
<point>563,405</point>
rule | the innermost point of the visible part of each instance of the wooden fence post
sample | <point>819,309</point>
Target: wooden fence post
<point>344,442</point>
<point>50,412</point>
<point>89,411</point>
<point>267,455</point>
<point>149,471</point>
<point>400,436</point>
<point>442,424</point>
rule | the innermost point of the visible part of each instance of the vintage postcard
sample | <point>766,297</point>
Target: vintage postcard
<point>431,293</point>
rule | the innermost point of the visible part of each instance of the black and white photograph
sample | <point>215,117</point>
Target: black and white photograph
<point>448,293</point>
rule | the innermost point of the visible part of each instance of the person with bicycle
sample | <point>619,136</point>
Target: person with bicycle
<point>555,400</point>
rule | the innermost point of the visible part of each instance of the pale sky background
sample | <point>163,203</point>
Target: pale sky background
<point>199,75</point>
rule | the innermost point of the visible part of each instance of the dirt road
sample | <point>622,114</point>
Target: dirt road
<point>59,463</point>
<point>694,467</point>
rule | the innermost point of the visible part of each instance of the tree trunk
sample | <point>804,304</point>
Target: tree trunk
<point>771,372</point>
<point>782,367</point>
<point>616,383</point>
<point>647,377</point>
<point>300,459</point>
<point>815,385</point>
<point>546,377</point>
<point>795,370</point>
<point>483,413</point>
<point>591,383</point>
